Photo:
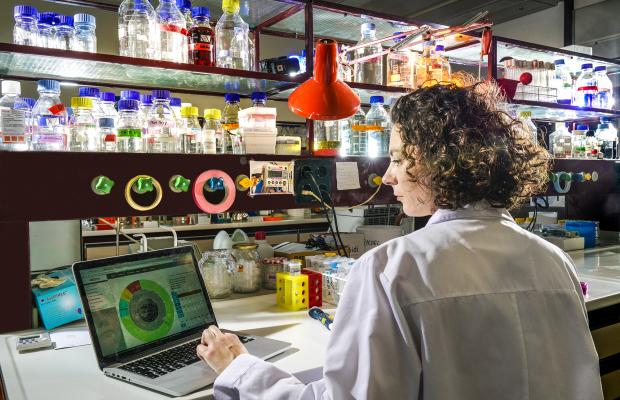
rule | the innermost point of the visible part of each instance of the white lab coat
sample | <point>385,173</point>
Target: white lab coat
<point>470,307</point>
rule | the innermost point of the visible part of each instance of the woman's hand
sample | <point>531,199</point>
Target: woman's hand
<point>219,349</point>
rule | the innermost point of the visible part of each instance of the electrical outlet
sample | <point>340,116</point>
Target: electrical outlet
<point>305,169</point>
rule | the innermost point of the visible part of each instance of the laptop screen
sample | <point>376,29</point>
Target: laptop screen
<point>141,300</point>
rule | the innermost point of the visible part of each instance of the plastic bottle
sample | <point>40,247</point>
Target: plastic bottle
<point>129,131</point>
<point>358,138</point>
<point>605,96</point>
<point>49,117</point>
<point>107,134</point>
<point>185,6</point>
<point>371,70</point>
<point>230,123</point>
<point>264,249</point>
<point>561,142</point>
<point>399,67</point>
<point>201,38</point>
<point>607,138</point>
<point>14,116</point>
<point>138,32</point>
<point>259,99</point>
<point>65,32</point>
<point>563,83</point>
<point>579,141</point>
<point>85,34</point>
<point>94,94</point>
<point>231,38</point>
<point>586,87</point>
<point>378,128</point>
<point>83,131</point>
<point>172,32</point>
<point>161,124</point>
<point>213,132</point>
<point>47,31</point>
<point>25,30</point>
<point>526,119</point>
<point>191,137</point>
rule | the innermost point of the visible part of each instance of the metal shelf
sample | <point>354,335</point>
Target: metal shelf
<point>553,112</point>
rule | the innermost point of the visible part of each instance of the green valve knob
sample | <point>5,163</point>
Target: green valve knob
<point>102,185</point>
<point>553,177</point>
<point>143,184</point>
<point>179,184</point>
<point>566,176</point>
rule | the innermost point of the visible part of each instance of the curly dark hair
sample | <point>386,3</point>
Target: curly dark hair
<point>461,146</point>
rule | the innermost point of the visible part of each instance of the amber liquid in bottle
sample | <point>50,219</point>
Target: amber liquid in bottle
<point>202,44</point>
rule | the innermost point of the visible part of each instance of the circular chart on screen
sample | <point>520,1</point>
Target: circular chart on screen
<point>146,310</point>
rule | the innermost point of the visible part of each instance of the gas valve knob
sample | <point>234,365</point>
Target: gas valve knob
<point>579,177</point>
<point>102,185</point>
<point>179,184</point>
<point>143,185</point>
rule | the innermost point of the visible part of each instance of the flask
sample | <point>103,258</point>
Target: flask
<point>231,38</point>
<point>49,118</point>
<point>25,30</point>
<point>138,32</point>
<point>161,124</point>
<point>378,128</point>
<point>201,38</point>
<point>371,70</point>
<point>172,32</point>
<point>85,35</point>
<point>83,130</point>
<point>129,133</point>
<point>14,118</point>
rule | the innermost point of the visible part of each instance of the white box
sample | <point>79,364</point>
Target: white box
<point>566,244</point>
<point>259,143</point>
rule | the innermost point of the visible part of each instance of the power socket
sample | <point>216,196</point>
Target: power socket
<point>322,171</point>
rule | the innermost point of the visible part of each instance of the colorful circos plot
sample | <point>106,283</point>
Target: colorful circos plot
<point>146,310</point>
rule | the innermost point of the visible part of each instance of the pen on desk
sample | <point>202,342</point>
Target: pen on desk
<point>321,316</point>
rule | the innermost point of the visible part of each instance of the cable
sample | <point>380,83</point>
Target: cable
<point>318,188</point>
<point>332,207</point>
<point>369,199</point>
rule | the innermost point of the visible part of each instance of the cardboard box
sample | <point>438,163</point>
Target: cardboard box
<point>61,304</point>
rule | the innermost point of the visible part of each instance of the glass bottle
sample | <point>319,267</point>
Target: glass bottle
<point>161,124</point>
<point>526,119</point>
<point>440,66</point>
<point>217,268</point>
<point>191,137</point>
<point>130,95</point>
<point>29,121</point>
<point>185,6</point>
<point>399,67</point>
<point>146,102</point>
<point>579,141</point>
<point>231,38</point>
<point>247,277</point>
<point>201,38</point>
<point>106,103</point>
<point>175,105</point>
<point>422,72</point>
<point>107,134</point>
<point>607,138</point>
<point>378,128</point>
<point>14,116</point>
<point>605,95</point>
<point>561,142</point>
<point>586,87</point>
<point>371,70</point>
<point>138,32</point>
<point>83,130</point>
<point>85,34</point>
<point>94,94</point>
<point>213,132</point>
<point>49,118</point>
<point>65,32</point>
<point>358,138</point>
<point>326,138</point>
<point>230,124</point>
<point>563,83</point>
<point>259,99</point>
<point>129,132</point>
<point>172,32</point>
<point>592,146</point>
<point>25,30</point>
<point>47,31</point>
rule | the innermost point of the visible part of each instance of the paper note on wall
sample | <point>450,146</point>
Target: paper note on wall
<point>347,176</point>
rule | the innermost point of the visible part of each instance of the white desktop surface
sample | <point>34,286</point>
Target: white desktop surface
<point>73,373</point>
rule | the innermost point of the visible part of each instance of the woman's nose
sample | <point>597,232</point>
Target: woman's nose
<point>388,178</point>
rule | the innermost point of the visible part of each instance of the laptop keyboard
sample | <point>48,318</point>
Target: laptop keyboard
<point>169,360</point>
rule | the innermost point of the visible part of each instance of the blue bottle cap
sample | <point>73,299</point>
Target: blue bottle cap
<point>605,120</point>
<point>603,126</point>
<point>368,26</point>
<point>586,65</point>
<point>128,104</point>
<point>65,20</point>
<point>49,18</point>
<point>130,95</point>
<point>107,96</point>
<point>600,68</point>
<point>49,85</point>
<point>376,99</point>
<point>439,47</point>
<point>161,94</point>
<point>398,39</point>
<point>257,96</point>
<point>232,98</point>
<point>146,99</point>
<point>582,127</point>
<point>25,11</point>
<point>175,102</point>
<point>559,62</point>
<point>29,100</point>
<point>201,12</point>
<point>88,91</point>
<point>85,19</point>
<point>184,5</point>
<point>106,123</point>
<point>303,53</point>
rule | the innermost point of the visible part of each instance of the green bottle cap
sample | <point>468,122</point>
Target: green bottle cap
<point>143,185</point>
<point>102,185</point>
<point>178,184</point>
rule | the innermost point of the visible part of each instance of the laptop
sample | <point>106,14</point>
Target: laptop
<point>146,313</point>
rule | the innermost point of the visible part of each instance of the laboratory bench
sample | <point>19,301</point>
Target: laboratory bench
<point>73,372</point>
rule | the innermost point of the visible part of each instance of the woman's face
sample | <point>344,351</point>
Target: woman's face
<point>417,200</point>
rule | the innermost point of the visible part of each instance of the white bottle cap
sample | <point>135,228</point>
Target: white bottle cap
<point>12,87</point>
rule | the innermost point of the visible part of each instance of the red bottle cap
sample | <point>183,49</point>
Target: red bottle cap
<point>260,235</point>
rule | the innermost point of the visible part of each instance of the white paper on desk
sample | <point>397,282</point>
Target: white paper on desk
<point>71,337</point>
<point>347,175</point>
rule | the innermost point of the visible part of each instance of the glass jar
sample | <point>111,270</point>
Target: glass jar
<point>271,266</point>
<point>216,268</point>
<point>246,273</point>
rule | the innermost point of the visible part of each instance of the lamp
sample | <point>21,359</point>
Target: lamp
<point>324,96</point>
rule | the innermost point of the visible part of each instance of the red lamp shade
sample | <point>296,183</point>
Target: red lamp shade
<point>324,96</point>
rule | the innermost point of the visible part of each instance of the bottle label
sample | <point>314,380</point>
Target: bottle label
<point>12,124</point>
<point>173,28</point>
<point>57,109</point>
<point>129,132</point>
<point>201,46</point>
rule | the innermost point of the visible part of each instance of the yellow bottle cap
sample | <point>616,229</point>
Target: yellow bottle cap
<point>230,6</point>
<point>82,102</point>
<point>213,113</point>
<point>189,111</point>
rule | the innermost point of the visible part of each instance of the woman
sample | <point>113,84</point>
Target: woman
<point>470,307</point>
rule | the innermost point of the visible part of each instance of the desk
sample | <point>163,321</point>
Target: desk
<point>73,373</point>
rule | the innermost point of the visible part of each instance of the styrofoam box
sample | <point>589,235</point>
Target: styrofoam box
<point>259,143</point>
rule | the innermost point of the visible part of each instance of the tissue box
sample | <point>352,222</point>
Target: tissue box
<point>61,304</point>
